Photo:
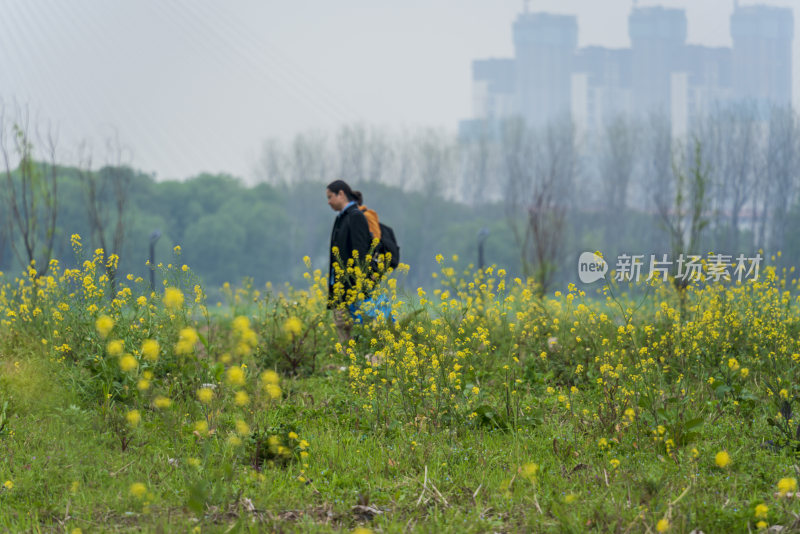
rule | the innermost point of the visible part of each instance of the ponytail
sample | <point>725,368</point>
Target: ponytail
<point>338,186</point>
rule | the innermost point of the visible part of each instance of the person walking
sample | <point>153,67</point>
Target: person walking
<point>350,244</point>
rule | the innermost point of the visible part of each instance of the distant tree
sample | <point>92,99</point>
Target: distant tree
<point>540,171</point>
<point>732,140</point>
<point>30,192</point>
<point>686,219</point>
<point>380,156</point>
<point>352,147</point>
<point>311,160</point>
<point>478,159</point>
<point>106,197</point>
<point>273,165</point>
<point>617,158</point>
<point>657,166</point>
<point>783,157</point>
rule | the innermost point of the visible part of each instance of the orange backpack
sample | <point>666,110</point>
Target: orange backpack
<point>372,222</point>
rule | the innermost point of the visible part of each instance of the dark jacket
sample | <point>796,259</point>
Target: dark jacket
<point>350,232</point>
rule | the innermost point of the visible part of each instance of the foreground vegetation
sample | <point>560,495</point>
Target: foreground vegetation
<point>479,407</point>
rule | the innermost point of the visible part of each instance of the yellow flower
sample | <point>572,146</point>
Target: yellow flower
<point>138,490</point>
<point>162,402</point>
<point>783,394</point>
<point>242,428</point>
<point>187,339</point>
<point>761,511</point>
<point>529,471</point>
<point>201,427</point>
<point>614,463</point>
<point>235,376</point>
<point>662,525</point>
<point>8,484</point>
<point>173,298</point>
<point>205,395</point>
<point>273,391</point>
<point>143,384</point>
<point>293,435</point>
<point>133,417</point>
<point>761,525</point>
<point>270,377</point>
<point>570,498</point>
<point>745,371</point>
<point>242,398</point>
<point>128,363</point>
<point>151,349</point>
<point>104,324</point>
<point>115,347</point>
<point>722,459</point>
<point>787,485</point>
<point>475,390</point>
<point>141,301</point>
<point>733,365</point>
<point>293,326</point>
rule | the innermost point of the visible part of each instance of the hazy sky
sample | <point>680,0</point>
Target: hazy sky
<point>198,85</point>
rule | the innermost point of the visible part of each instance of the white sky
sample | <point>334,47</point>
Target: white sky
<point>198,85</point>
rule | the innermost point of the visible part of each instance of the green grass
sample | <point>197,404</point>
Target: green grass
<point>69,470</point>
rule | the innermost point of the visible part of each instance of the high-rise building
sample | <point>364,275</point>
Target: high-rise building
<point>493,88</point>
<point>549,77</point>
<point>658,36</point>
<point>544,50</point>
<point>601,85</point>
<point>762,54</point>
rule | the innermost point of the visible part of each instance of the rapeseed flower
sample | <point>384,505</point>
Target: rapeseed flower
<point>115,347</point>
<point>242,398</point>
<point>270,377</point>
<point>133,417</point>
<point>128,363</point>
<point>529,471</point>
<point>242,428</point>
<point>104,324</point>
<point>151,349</point>
<point>187,339</point>
<point>787,485</point>
<point>235,376</point>
<point>138,490</point>
<point>173,298</point>
<point>293,326</point>
<point>162,402</point>
<point>205,395</point>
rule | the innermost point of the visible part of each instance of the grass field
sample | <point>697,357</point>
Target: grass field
<point>483,408</point>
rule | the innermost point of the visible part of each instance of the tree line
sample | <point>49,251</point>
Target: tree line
<point>544,195</point>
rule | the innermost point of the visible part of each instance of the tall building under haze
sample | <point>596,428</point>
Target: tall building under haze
<point>550,77</point>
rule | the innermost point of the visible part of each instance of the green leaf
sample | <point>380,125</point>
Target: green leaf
<point>721,390</point>
<point>693,424</point>
<point>204,341</point>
